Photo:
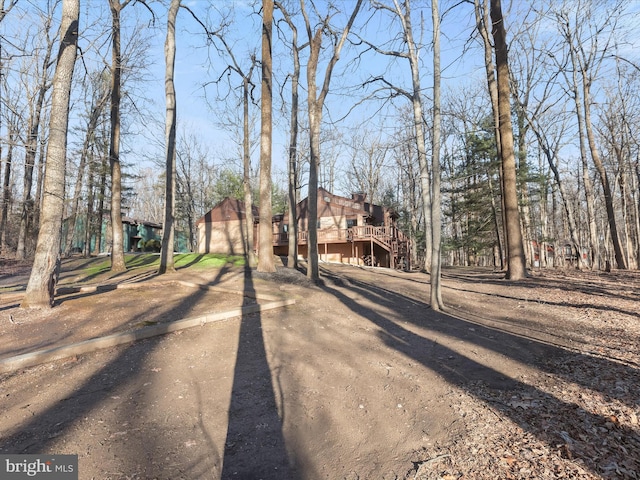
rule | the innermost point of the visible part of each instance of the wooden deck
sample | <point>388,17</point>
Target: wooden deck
<point>383,235</point>
<point>391,239</point>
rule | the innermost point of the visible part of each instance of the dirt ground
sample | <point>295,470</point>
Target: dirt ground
<point>359,379</point>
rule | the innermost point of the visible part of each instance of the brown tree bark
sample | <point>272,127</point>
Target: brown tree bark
<point>117,235</point>
<point>436,301</point>
<point>315,102</point>
<point>292,168</point>
<point>516,267</point>
<point>482,24</point>
<point>41,286</point>
<point>168,229</point>
<point>602,173</point>
<point>265,255</point>
<point>416,104</point>
<point>573,82</point>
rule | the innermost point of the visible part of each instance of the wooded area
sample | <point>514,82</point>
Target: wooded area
<point>504,135</point>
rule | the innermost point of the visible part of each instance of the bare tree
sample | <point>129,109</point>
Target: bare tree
<point>7,193</point>
<point>315,103</point>
<point>168,232</point>
<point>292,164</point>
<point>99,94</point>
<point>41,287</point>
<point>368,155</point>
<point>5,8</point>
<point>412,55</point>
<point>37,103</point>
<point>265,256</point>
<point>483,25</point>
<point>540,102</point>
<point>117,234</point>
<point>516,268</point>
<point>436,205</point>
<point>617,131</point>
<point>589,62</point>
<point>404,152</point>
<point>220,36</point>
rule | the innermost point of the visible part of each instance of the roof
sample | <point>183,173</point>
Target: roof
<point>328,205</point>
<point>228,209</point>
<point>137,221</point>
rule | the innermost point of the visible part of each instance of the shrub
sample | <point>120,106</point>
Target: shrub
<point>152,245</point>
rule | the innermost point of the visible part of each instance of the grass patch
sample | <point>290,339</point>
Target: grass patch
<point>210,260</point>
<point>181,260</point>
<point>98,268</point>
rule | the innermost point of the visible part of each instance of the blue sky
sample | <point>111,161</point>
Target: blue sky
<point>197,64</point>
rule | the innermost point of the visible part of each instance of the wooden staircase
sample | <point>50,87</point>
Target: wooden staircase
<point>391,239</point>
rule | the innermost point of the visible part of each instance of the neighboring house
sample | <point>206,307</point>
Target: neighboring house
<point>350,230</point>
<point>139,233</point>
<point>221,230</point>
<point>138,236</point>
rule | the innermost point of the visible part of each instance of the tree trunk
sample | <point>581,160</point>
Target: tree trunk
<point>602,172</point>
<point>586,179</point>
<point>41,287</point>
<point>482,22</point>
<point>418,120</point>
<point>88,231</point>
<point>635,200</point>
<point>436,261</point>
<point>39,183</point>
<point>315,117</point>
<point>249,240</point>
<point>72,219</point>
<point>26,216</point>
<point>315,103</point>
<point>265,256</point>
<point>551,156</point>
<point>6,197</point>
<point>92,125</point>
<point>168,229</point>
<point>516,268</point>
<point>292,257</point>
<point>522,169</point>
<point>292,189</point>
<point>101,199</point>
<point>117,235</point>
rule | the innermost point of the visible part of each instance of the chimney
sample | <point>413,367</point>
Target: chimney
<point>358,197</point>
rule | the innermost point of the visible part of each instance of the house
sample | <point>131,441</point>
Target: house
<point>222,229</point>
<point>141,235</point>
<point>350,230</point>
<point>137,236</point>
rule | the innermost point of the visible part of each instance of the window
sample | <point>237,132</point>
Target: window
<point>285,227</point>
<point>352,222</point>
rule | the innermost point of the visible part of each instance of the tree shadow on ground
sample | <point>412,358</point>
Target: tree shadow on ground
<point>195,260</point>
<point>66,414</point>
<point>477,276</point>
<point>581,433</point>
<point>606,308</point>
<point>255,446</point>
<point>65,294</point>
<point>606,285</point>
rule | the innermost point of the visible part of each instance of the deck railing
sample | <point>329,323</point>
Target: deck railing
<point>384,235</point>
